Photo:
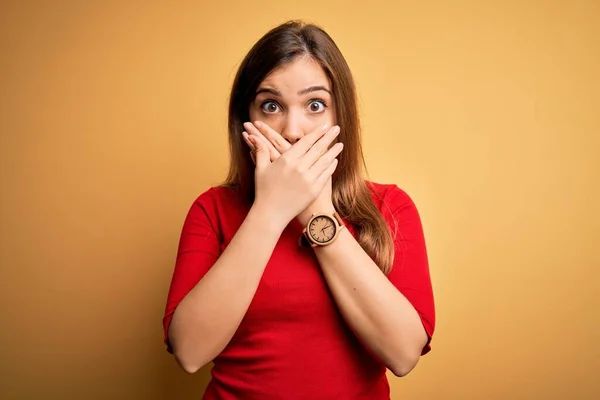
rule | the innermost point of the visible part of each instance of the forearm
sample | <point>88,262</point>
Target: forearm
<point>207,318</point>
<point>382,318</point>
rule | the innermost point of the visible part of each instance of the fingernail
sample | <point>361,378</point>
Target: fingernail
<point>336,130</point>
<point>258,124</point>
<point>247,125</point>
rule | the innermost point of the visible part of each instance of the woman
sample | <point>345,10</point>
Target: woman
<point>298,278</point>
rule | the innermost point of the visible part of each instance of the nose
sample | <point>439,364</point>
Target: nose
<point>293,129</point>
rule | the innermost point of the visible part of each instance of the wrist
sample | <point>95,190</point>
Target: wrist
<point>315,208</point>
<point>267,219</point>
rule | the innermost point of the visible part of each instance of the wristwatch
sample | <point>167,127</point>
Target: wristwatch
<point>321,230</point>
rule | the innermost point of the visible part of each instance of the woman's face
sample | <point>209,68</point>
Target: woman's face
<point>294,99</point>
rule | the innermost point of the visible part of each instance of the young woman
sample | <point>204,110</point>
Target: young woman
<point>299,278</point>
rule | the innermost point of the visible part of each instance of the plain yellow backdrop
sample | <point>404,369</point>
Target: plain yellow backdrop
<point>112,119</point>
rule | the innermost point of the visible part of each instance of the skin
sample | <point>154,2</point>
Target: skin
<point>293,100</point>
<point>292,145</point>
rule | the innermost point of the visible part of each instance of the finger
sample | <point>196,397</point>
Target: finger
<point>326,159</point>
<point>273,153</point>
<point>247,140</point>
<point>261,156</point>
<point>255,132</point>
<point>273,136</point>
<point>307,141</point>
<point>326,174</point>
<point>319,148</point>
<point>251,145</point>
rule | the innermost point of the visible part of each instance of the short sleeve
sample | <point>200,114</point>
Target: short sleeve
<point>199,248</point>
<point>410,269</point>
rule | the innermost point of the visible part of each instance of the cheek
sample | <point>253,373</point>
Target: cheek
<point>333,115</point>
<point>328,117</point>
<point>313,121</point>
<point>254,115</point>
<point>331,118</point>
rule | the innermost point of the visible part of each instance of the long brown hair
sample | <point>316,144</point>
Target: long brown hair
<point>351,195</point>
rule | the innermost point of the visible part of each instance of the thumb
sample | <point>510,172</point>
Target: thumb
<point>262,156</point>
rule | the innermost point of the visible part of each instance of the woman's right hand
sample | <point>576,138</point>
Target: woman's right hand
<point>286,186</point>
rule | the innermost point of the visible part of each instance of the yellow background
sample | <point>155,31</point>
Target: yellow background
<point>112,118</point>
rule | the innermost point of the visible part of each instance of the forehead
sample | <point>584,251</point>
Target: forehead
<point>299,74</point>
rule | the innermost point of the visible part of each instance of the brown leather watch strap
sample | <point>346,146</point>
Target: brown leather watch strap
<point>303,241</point>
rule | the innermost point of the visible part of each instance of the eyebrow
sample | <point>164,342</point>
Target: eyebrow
<point>300,93</point>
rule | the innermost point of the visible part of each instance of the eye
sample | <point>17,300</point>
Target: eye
<point>317,106</point>
<point>269,107</point>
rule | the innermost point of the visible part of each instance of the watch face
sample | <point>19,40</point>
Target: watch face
<point>322,229</point>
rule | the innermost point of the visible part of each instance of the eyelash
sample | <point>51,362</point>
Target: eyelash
<point>321,101</point>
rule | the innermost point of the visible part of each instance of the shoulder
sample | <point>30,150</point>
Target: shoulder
<point>389,198</point>
<point>217,200</point>
<point>217,194</point>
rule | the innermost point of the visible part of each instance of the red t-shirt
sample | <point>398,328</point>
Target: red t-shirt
<point>293,342</point>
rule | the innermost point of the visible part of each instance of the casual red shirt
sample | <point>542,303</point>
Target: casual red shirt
<point>293,343</point>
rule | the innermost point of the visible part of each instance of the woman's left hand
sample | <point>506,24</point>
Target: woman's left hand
<point>277,146</point>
